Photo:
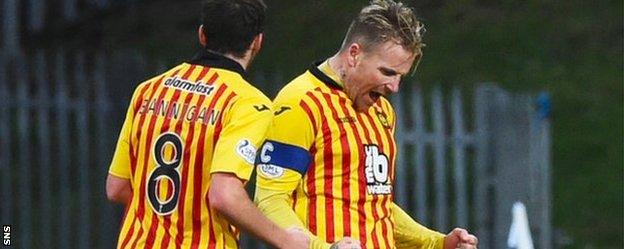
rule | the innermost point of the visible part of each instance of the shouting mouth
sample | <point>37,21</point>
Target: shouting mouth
<point>374,96</point>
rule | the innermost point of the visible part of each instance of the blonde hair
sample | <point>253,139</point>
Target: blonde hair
<point>384,20</point>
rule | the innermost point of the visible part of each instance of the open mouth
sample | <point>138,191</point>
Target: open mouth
<point>374,96</point>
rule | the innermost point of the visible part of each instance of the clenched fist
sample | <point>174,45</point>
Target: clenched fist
<point>347,243</point>
<point>460,239</point>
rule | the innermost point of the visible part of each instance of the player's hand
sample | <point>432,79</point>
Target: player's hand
<point>460,238</point>
<point>298,238</point>
<point>347,243</point>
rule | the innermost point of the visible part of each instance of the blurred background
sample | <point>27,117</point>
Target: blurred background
<point>513,101</point>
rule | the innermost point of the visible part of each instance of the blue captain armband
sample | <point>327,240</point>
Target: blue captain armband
<point>274,156</point>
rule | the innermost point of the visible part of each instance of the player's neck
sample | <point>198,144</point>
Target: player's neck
<point>336,63</point>
<point>244,61</point>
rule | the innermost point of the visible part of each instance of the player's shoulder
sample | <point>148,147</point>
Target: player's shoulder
<point>244,90</point>
<point>162,76</point>
<point>240,85</point>
<point>297,89</point>
<point>157,79</point>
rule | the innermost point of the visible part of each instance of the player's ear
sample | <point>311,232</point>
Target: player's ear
<point>256,44</point>
<point>354,52</point>
<point>201,36</point>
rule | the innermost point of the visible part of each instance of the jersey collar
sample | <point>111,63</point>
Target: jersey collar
<point>211,59</point>
<point>314,69</point>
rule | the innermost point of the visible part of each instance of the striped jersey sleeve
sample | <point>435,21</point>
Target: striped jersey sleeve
<point>284,157</point>
<point>120,165</point>
<point>245,125</point>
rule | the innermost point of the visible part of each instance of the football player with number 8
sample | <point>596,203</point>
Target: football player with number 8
<point>188,143</point>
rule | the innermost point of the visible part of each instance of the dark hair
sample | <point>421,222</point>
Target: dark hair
<point>231,25</point>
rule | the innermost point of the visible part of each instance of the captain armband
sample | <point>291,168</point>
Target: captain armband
<point>273,157</point>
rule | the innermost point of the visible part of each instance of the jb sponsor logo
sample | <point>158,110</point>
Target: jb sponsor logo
<point>376,169</point>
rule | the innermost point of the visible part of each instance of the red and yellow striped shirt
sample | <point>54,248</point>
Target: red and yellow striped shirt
<point>330,169</point>
<point>196,119</point>
<point>338,163</point>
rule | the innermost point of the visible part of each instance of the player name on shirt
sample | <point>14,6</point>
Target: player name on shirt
<point>177,110</point>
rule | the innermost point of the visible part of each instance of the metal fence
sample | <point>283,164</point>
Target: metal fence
<point>57,132</point>
<point>461,163</point>
<point>451,176</point>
